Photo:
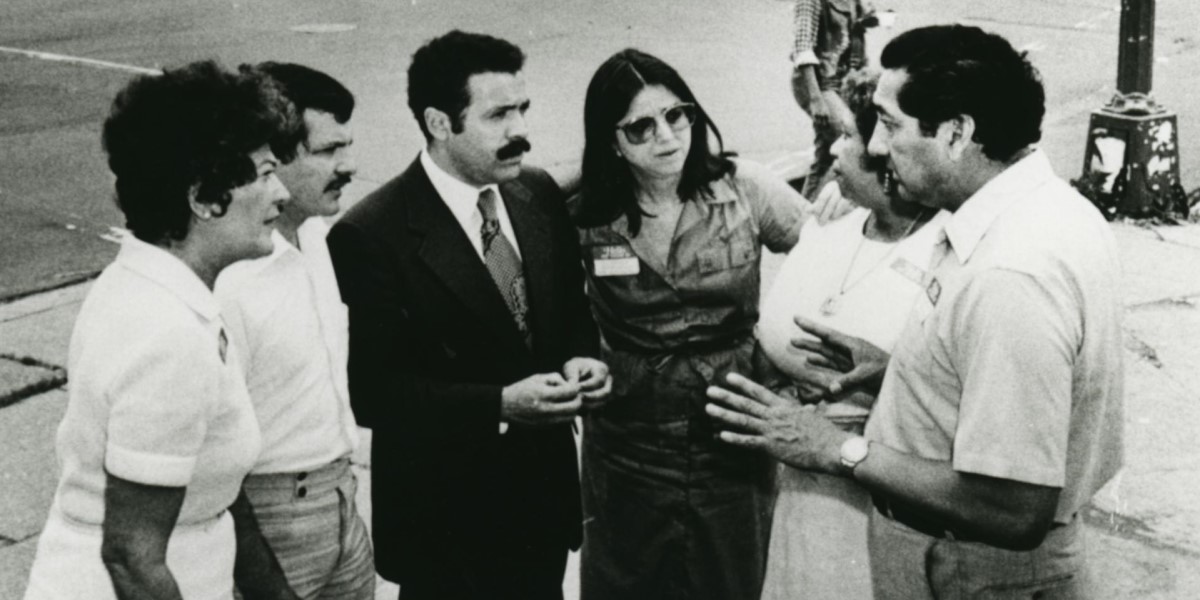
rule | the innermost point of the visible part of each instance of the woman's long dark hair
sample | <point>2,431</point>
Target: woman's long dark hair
<point>607,186</point>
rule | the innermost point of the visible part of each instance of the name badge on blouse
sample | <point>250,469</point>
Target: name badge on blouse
<point>908,270</point>
<point>614,261</point>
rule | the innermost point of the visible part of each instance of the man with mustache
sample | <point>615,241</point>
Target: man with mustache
<point>470,339</point>
<point>285,314</point>
<point>1000,413</point>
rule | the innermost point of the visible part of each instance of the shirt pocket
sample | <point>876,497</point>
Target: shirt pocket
<point>722,256</point>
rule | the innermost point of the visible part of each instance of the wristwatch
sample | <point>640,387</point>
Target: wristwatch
<point>854,451</point>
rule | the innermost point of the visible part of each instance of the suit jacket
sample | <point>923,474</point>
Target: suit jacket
<point>431,345</point>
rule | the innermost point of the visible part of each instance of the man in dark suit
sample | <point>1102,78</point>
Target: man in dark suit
<point>470,339</point>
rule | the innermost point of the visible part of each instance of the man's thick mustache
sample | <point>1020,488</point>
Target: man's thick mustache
<point>513,149</point>
<point>339,183</point>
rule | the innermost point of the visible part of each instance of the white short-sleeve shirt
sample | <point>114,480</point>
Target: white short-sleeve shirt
<point>286,317</point>
<point>1010,364</point>
<point>157,395</point>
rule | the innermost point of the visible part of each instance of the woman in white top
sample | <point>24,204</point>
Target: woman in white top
<point>159,431</point>
<point>858,275</point>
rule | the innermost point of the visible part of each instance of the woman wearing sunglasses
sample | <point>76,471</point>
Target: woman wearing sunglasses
<point>672,229</point>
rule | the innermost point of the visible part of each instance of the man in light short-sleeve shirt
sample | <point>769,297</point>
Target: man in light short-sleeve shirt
<point>285,314</point>
<point>1013,369</point>
<point>1000,413</point>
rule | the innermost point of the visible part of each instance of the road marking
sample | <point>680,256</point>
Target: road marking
<point>1093,21</point>
<point>324,28</point>
<point>115,235</point>
<point>79,60</point>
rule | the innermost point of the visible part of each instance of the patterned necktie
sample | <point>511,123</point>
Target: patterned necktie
<point>504,264</point>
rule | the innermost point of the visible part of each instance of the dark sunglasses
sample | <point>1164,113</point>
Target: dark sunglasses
<point>678,118</point>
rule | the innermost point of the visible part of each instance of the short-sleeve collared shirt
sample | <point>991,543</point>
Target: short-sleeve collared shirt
<point>1010,365</point>
<point>157,395</point>
<point>710,288</point>
<point>286,316</point>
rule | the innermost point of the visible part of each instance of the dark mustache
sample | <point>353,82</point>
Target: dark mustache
<point>339,183</point>
<point>513,149</point>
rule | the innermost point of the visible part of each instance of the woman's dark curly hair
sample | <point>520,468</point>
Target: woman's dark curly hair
<point>606,183</point>
<point>858,89</point>
<point>190,130</point>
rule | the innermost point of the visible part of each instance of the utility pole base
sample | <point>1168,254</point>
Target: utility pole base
<point>1131,165</point>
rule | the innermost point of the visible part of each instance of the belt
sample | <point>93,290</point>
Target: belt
<point>921,520</point>
<point>918,519</point>
<point>690,348</point>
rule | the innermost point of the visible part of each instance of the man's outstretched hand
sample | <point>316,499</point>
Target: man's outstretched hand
<point>755,417</point>
<point>861,363</point>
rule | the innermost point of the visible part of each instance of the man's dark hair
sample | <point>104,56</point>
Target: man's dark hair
<point>606,182</point>
<point>960,70</point>
<point>307,88</point>
<point>439,71</point>
<point>192,127</point>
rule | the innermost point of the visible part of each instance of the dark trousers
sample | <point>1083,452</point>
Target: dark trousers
<point>523,573</point>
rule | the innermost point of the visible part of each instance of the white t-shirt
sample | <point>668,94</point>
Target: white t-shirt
<point>286,317</point>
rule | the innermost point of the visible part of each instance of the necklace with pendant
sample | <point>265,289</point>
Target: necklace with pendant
<point>833,303</point>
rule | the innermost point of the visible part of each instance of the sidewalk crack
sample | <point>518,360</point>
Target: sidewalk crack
<point>53,377</point>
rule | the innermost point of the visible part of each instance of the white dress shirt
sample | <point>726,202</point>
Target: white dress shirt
<point>463,200</point>
<point>285,314</point>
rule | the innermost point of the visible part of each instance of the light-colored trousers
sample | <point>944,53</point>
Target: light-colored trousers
<point>312,525</point>
<point>909,565</point>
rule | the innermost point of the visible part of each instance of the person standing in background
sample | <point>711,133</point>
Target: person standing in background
<point>829,40</point>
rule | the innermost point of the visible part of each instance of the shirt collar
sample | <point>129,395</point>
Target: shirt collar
<point>311,233</point>
<point>168,271</point>
<point>461,197</point>
<point>970,222</point>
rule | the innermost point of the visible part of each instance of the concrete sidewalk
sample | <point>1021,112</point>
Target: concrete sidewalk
<point>1144,527</point>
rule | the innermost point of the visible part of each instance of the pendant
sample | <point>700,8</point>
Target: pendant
<point>831,305</point>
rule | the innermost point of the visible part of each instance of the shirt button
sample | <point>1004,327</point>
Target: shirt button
<point>302,492</point>
<point>301,476</point>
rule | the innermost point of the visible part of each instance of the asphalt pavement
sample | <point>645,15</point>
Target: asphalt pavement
<point>61,61</point>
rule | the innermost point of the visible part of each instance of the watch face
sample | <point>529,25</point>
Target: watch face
<point>854,450</point>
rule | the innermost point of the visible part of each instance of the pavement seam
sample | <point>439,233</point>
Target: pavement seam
<point>1183,301</point>
<point>75,280</point>
<point>1131,528</point>
<point>6,541</point>
<point>56,378</point>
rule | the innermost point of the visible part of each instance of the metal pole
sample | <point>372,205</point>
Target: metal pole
<point>1131,164</point>
<point>1135,55</point>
